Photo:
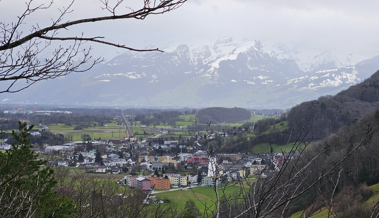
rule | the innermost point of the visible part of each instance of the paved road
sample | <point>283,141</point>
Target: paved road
<point>127,128</point>
<point>176,189</point>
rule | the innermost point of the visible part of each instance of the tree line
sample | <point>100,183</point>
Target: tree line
<point>222,115</point>
<point>329,113</point>
<point>164,117</point>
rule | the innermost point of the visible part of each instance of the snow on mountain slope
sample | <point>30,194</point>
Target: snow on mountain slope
<point>221,72</point>
<point>211,53</point>
<point>226,63</point>
<point>342,77</point>
<point>330,60</point>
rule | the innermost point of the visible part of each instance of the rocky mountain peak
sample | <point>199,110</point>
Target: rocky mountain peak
<point>223,72</point>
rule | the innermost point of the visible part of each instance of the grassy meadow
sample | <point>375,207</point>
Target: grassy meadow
<point>112,130</point>
<point>323,212</point>
<point>203,194</point>
<point>265,147</point>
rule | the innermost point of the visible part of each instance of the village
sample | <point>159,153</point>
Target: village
<point>158,159</point>
<point>148,165</point>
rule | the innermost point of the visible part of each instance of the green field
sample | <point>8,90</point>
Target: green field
<point>183,123</point>
<point>323,213</point>
<point>112,130</point>
<point>189,117</point>
<point>60,127</point>
<point>204,194</point>
<point>375,195</point>
<point>255,118</point>
<point>78,177</point>
<point>277,127</point>
<point>265,147</point>
<point>109,130</point>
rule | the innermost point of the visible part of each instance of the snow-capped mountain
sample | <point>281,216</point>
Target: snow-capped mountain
<point>332,60</point>
<point>224,72</point>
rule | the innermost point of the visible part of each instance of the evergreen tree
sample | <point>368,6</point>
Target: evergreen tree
<point>81,158</point>
<point>98,158</point>
<point>89,146</point>
<point>125,169</point>
<point>190,210</point>
<point>199,177</point>
<point>26,186</point>
<point>156,172</point>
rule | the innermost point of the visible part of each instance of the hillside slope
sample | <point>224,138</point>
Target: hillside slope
<point>317,119</point>
<point>329,113</point>
<point>352,176</point>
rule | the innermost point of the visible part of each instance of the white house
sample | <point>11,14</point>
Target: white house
<point>5,146</point>
<point>62,163</point>
<point>184,156</point>
<point>192,178</point>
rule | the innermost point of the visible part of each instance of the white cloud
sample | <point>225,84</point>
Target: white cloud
<point>314,25</point>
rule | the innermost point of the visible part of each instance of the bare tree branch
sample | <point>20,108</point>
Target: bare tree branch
<point>22,62</point>
<point>95,39</point>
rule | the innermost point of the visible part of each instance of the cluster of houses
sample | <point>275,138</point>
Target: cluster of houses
<point>218,169</point>
<point>147,183</point>
<point>176,169</point>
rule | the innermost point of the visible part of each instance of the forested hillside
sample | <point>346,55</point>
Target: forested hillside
<point>347,183</point>
<point>329,113</point>
<point>334,176</point>
<point>221,115</point>
<point>317,119</point>
<point>367,91</point>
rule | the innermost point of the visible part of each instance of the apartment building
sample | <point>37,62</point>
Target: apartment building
<point>159,182</point>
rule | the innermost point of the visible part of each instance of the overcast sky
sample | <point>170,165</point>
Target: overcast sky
<point>318,25</point>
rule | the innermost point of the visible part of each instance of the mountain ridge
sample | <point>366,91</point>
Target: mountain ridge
<point>223,73</point>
